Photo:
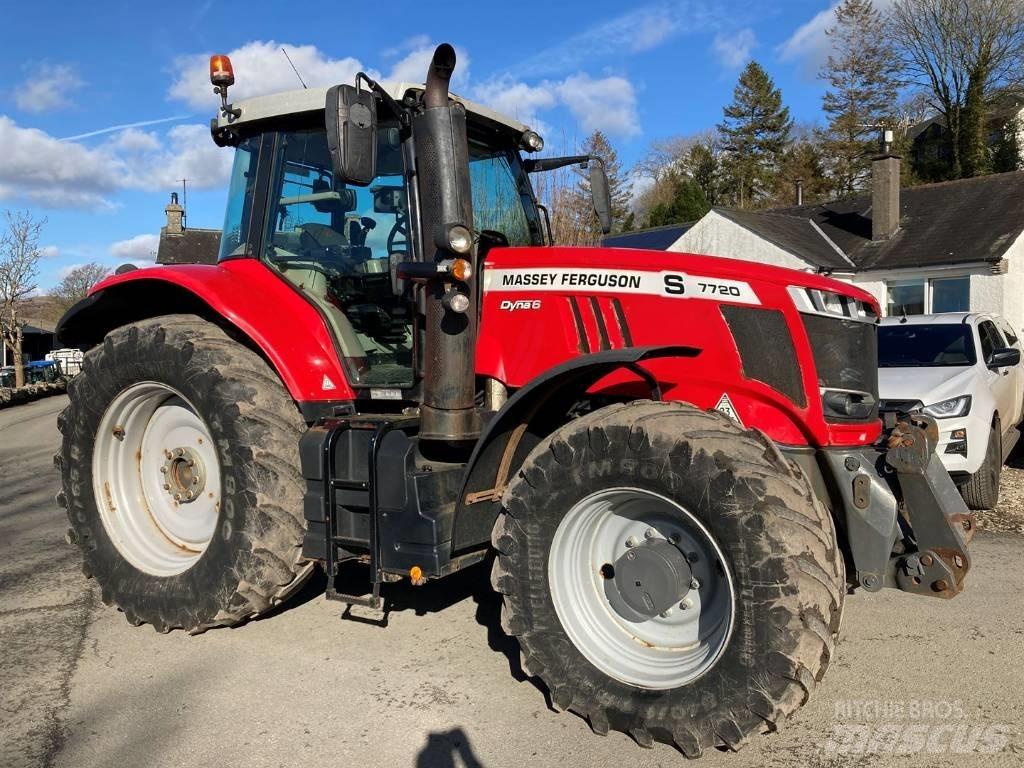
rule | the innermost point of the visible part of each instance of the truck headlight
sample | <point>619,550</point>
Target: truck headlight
<point>948,409</point>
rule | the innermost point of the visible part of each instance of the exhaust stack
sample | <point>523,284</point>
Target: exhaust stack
<point>448,337</point>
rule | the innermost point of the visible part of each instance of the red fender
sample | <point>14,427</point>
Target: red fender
<point>244,292</point>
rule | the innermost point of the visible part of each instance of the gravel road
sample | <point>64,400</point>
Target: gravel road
<point>439,687</point>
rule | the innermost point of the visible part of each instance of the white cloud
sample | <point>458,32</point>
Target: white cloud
<point>518,99</point>
<point>42,169</point>
<point>138,248</point>
<point>733,51</point>
<point>607,104</point>
<point>412,68</point>
<point>637,30</point>
<point>49,251</point>
<point>185,152</point>
<point>809,43</point>
<point>47,87</point>
<point>261,68</point>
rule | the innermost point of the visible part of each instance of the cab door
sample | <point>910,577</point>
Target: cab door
<point>1017,371</point>
<point>1003,382</point>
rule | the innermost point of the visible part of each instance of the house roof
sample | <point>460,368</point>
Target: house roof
<point>654,238</point>
<point>951,222</point>
<point>194,246</point>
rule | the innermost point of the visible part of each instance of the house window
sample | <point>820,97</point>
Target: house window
<point>906,297</point>
<point>919,297</point>
<point>951,294</point>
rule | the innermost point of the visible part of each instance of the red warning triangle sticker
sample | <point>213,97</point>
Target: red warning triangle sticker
<point>725,406</point>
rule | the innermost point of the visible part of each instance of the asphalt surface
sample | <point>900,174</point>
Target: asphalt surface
<point>438,686</point>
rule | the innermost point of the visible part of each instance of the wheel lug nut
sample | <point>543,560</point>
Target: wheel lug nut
<point>195,481</point>
<point>167,487</point>
<point>694,583</point>
<point>188,495</point>
<point>632,542</point>
<point>177,497</point>
<point>649,533</point>
<point>666,613</point>
<point>687,604</point>
<point>169,455</point>
<point>164,470</point>
<point>191,463</point>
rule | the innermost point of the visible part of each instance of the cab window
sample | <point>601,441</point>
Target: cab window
<point>335,242</point>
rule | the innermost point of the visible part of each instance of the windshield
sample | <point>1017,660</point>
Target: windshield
<point>502,198</point>
<point>916,346</point>
<point>335,243</point>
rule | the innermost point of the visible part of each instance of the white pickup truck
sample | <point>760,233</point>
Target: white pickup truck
<point>964,370</point>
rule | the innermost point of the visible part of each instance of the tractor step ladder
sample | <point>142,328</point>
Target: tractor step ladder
<point>379,426</point>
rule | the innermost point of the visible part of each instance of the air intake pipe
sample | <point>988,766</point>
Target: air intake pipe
<point>447,337</point>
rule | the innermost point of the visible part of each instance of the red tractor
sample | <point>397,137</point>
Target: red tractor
<point>675,462</point>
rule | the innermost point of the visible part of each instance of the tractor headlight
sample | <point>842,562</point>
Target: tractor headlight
<point>456,301</point>
<point>532,141</point>
<point>460,239</point>
<point>948,409</point>
<point>846,404</point>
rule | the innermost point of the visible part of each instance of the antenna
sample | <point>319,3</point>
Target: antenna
<point>293,67</point>
<point>184,202</point>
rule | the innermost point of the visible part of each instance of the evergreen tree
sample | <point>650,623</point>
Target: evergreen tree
<point>802,161</point>
<point>597,144</point>
<point>755,133</point>
<point>687,203</point>
<point>862,92</point>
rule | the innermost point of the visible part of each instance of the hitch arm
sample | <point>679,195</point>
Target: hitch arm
<point>938,517</point>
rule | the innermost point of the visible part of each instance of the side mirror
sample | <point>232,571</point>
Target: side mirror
<point>601,194</point>
<point>1003,358</point>
<point>351,116</point>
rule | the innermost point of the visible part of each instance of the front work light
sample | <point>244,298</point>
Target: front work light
<point>460,239</point>
<point>456,301</point>
<point>532,141</point>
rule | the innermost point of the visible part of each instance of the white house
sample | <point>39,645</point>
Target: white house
<point>948,247</point>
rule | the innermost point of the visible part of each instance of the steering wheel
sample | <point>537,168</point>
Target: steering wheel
<point>398,237</point>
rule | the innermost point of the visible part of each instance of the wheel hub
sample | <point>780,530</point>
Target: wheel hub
<point>184,477</point>
<point>649,579</point>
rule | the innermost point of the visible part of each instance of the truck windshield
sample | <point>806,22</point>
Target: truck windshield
<point>918,346</point>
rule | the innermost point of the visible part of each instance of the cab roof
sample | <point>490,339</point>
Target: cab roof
<point>314,99</point>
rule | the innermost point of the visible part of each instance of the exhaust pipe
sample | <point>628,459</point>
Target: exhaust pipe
<point>439,74</point>
<point>447,338</point>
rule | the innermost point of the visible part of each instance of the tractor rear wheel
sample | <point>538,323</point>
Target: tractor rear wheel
<point>669,574</point>
<point>181,479</point>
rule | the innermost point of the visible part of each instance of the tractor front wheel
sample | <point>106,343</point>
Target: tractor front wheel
<point>669,575</point>
<point>181,479</point>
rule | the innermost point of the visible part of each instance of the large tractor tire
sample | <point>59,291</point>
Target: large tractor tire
<point>669,575</point>
<point>180,469</point>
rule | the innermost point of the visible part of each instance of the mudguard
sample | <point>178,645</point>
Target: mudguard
<point>241,293</point>
<point>528,417</point>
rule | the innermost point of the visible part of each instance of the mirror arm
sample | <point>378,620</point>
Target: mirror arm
<point>535,165</point>
<point>384,96</point>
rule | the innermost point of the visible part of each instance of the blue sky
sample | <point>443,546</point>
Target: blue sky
<point>647,72</point>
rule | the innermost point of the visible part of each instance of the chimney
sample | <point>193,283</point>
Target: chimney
<point>175,214</point>
<point>799,191</point>
<point>885,191</point>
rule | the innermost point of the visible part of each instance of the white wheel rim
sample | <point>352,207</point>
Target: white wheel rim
<point>147,438</point>
<point>662,652</point>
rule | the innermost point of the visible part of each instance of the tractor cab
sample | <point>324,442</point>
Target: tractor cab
<point>342,238</point>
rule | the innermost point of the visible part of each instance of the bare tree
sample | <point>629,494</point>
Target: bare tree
<point>19,267</point>
<point>75,284</point>
<point>959,52</point>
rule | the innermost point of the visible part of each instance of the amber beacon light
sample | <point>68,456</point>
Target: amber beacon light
<point>221,72</point>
